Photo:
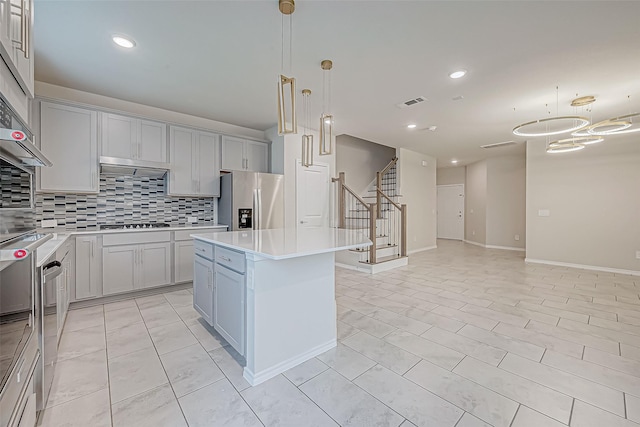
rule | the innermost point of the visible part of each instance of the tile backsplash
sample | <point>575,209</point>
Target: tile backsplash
<point>123,200</point>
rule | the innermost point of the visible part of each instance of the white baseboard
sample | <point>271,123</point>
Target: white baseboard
<point>415,251</point>
<point>506,248</point>
<point>266,374</point>
<point>583,266</point>
<point>474,243</point>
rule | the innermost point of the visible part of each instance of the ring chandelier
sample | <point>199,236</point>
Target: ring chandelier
<point>583,133</point>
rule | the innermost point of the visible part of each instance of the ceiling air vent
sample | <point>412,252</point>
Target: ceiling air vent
<point>499,144</point>
<point>412,102</point>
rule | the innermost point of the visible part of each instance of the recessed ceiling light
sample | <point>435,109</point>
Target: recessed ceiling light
<point>411,126</point>
<point>454,161</point>
<point>458,74</point>
<point>123,42</point>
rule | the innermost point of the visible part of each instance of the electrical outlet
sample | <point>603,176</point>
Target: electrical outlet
<point>470,210</point>
<point>49,223</point>
<point>516,237</point>
<point>192,219</point>
<point>415,239</point>
<point>544,212</point>
<point>637,254</point>
<point>473,233</point>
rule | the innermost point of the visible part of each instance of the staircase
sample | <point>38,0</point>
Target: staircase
<point>377,213</point>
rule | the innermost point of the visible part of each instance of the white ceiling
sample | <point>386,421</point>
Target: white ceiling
<point>220,60</point>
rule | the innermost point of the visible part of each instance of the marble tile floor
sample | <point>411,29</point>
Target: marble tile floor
<point>462,336</point>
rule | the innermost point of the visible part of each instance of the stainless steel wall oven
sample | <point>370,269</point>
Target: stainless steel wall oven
<point>20,292</point>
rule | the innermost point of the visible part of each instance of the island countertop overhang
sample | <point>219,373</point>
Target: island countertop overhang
<point>285,243</point>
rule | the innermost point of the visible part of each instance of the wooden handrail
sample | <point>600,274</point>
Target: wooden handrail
<point>389,200</point>
<point>389,166</point>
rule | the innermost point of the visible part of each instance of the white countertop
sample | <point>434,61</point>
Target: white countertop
<point>283,243</point>
<point>51,246</point>
<point>96,230</point>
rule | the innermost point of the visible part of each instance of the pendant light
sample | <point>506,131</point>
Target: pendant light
<point>551,126</point>
<point>307,138</point>
<point>326,119</point>
<point>286,85</point>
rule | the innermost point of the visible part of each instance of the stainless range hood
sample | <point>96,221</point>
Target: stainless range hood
<point>119,167</point>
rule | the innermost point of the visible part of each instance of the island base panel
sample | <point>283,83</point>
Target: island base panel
<point>291,313</point>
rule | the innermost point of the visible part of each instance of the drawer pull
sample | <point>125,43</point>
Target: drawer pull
<point>224,258</point>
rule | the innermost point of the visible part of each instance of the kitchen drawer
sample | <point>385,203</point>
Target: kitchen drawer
<point>203,249</point>
<point>136,238</point>
<point>230,259</point>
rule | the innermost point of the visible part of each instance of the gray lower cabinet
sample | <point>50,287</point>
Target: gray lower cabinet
<point>229,306</point>
<point>87,270</point>
<point>219,291</point>
<point>134,261</point>
<point>183,252</point>
<point>131,267</point>
<point>203,288</point>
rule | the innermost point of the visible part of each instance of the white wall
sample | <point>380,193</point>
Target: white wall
<point>475,219</point>
<point>450,176</point>
<point>417,184</point>
<point>506,201</point>
<point>593,198</point>
<point>360,160</point>
<point>46,90</point>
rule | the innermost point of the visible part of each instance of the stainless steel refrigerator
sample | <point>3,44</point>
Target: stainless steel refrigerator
<point>251,200</point>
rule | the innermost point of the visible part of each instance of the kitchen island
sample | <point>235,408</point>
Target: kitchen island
<point>271,293</point>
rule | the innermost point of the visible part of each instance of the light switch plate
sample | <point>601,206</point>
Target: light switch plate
<point>49,223</point>
<point>638,254</point>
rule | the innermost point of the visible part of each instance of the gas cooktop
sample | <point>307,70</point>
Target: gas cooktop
<point>134,226</point>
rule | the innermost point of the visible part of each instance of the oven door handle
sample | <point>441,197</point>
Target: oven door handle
<point>52,270</point>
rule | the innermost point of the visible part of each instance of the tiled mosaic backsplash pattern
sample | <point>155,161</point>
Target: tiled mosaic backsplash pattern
<point>123,200</point>
<point>15,187</point>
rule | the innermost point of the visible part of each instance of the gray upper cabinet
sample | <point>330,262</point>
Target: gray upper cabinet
<point>135,139</point>
<point>194,163</point>
<point>243,154</point>
<point>69,138</point>
<point>16,44</point>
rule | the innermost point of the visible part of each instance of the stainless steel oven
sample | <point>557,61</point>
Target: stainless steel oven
<point>19,316</point>
<point>20,293</point>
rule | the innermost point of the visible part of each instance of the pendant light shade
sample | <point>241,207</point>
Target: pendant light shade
<point>307,138</point>
<point>326,118</point>
<point>287,122</point>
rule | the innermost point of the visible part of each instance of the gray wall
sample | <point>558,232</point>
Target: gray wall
<point>417,180</point>
<point>360,160</point>
<point>593,198</point>
<point>475,219</point>
<point>506,201</point>
<point>450,176</point>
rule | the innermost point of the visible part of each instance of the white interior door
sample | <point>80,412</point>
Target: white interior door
<point>451,212</point>
<point>312,195</point>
